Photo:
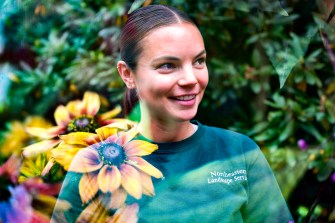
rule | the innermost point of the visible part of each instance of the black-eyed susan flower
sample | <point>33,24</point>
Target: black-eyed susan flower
<point>65,152</point>
<point>76,116</point>
<point>112,163</point>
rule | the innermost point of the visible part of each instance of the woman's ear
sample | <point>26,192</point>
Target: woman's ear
<point>126,74</point>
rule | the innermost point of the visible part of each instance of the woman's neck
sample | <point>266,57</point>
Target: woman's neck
<point>163,131</point>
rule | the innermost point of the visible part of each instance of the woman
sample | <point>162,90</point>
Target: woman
<point>210,174</point>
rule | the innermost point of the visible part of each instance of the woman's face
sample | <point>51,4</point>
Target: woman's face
<point>171,73</point>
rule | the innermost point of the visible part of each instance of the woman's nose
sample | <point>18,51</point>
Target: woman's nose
<point>188,77</point>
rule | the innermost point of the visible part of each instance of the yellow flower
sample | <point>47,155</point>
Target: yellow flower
<point>112,163</point>
<point>76,116</point>
<point>17,137</point>
<point>32,167</point>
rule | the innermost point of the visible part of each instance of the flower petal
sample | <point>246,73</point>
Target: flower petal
<point>46,133</point>
<point>74,107</point>
<point>37,186</point>
<point>130,180</point>
<point>139,148</point>
<point>62,116</point>
<point>11,168</point>
<point>64,154</point>
<point>111,114</point>
<point>109,178</point>
<point>121,123</point>
<point>87,160</point>
<point>48,167</point>
<point>94,212</point>
<point>40,147</point>
<point>125,137</point>
<point>147,185</point>
<point>106,132</point>
<point>39,217</point>
<point>111,139</point>
<point>146,167</point>
<point>118,198</point>
<point>88,187</point>
<point>91,103</point>
<point>127,214</point>
<point>81,138</point>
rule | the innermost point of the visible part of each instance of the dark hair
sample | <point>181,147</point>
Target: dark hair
<point>139,24</point>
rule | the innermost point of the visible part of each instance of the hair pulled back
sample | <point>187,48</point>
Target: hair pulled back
<point>139,24</point>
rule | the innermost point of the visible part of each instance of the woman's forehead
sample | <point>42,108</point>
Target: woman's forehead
<point>184,37</point>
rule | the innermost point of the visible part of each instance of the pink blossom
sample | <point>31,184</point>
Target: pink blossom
<point>302,144</point>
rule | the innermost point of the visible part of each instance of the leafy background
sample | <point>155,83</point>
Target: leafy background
<point>271,65</point>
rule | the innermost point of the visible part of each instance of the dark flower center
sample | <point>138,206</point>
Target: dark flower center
<point>112,154</point>
<point>82,124</point>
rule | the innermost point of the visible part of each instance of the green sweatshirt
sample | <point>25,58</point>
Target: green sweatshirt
<point>215,175</point>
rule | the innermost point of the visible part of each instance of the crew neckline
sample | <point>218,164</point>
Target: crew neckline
<point>175,147</point>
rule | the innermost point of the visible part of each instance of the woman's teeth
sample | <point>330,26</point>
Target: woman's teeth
<point>185,98</point>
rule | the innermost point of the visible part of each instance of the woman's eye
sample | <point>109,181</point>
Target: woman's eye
<point>166,66</point>
<point>200,61</point>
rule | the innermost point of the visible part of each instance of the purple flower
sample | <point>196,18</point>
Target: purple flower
<point>18,209</point>
<point>302,144</point>
<point>333,177</point>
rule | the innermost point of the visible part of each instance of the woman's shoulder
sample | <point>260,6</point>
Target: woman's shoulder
<point>230,139</point>
<point>225,133</point>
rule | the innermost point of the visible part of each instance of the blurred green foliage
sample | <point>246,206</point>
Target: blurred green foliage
<point>271,76</point>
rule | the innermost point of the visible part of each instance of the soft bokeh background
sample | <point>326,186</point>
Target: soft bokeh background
<point>272,77</point>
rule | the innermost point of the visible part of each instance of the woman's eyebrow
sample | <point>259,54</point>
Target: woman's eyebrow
<point>169,58</point>
<point>172,58</point>
<point>199,54</point>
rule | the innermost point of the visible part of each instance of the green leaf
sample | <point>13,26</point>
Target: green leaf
<point>288,130</point>
<point>242,6</point>
<point>325,172</point>
<point>290,158</point>
<point>303,211</point>
<point>272,6</point>
<point>312,130</point>
<point>256,87</point>
<point>266,135</point>
<point>258,128</point>
<point>285,60</point>
<point>256,58</point>
<point>136,4</point>
<point>282,62</point>
<point>313,56</point>
<point>279,100</point>
<point>254,38</point>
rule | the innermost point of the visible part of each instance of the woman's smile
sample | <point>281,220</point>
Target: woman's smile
<point>185,100</point>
